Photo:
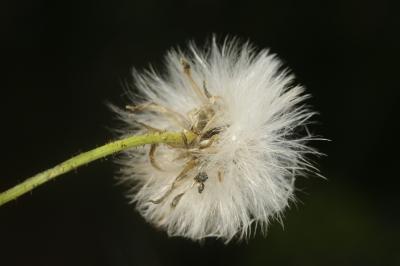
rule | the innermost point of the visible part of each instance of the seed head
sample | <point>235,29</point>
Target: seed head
<point>250,121</point>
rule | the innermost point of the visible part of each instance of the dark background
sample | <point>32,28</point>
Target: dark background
<point>62,61</point>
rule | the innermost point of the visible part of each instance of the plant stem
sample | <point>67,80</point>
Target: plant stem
<point>92,155</point>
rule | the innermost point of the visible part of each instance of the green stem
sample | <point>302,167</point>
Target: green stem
<point>90,156</point>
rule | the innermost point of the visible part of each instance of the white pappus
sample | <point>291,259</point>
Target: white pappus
<point>250,121</point>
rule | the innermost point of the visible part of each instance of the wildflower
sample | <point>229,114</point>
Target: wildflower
<point>249,120</point>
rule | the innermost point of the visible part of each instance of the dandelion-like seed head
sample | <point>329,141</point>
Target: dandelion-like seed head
<point>249,120</point>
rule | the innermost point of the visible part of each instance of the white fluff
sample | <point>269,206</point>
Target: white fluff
<point>258,151</point>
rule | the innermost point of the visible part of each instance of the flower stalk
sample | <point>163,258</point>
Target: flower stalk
<point>172,138</point>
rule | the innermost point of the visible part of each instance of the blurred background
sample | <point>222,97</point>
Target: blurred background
<point>63,61</point>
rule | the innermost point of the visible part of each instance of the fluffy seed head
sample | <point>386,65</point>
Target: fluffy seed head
<point>250,120</point>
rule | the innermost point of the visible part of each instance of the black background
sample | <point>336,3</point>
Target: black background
<point>62,61</point>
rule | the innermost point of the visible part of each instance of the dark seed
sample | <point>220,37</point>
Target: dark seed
<point>212,132</point>
<point>200,187</point>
